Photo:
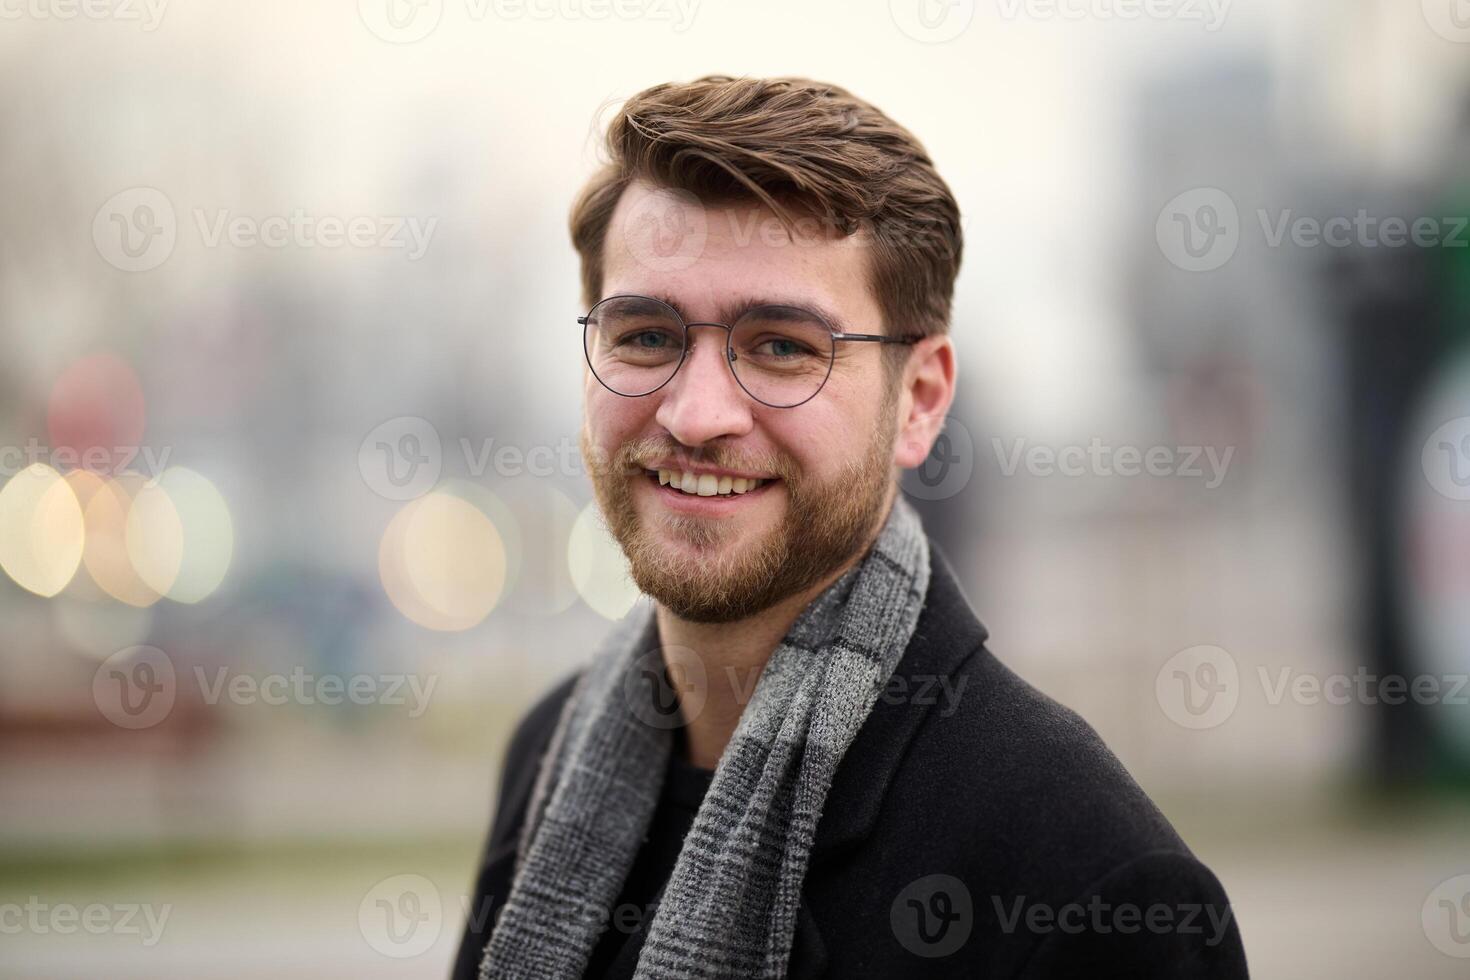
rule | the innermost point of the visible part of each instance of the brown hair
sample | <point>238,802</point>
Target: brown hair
<point>793,145</point>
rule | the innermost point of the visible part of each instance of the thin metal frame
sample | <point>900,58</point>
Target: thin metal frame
<point>729,329</point>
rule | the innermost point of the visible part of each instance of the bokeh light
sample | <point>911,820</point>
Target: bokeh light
<point>106,553</point>
<point>442,562</point>
<point>41,530</point>
<point>503,517</point>
<point>97,413</point>
<point>598,568</point>
<point>179,536</point>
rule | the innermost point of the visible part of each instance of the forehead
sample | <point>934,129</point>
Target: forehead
<point>663,242</point>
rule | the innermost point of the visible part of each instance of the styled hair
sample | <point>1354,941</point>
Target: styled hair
<point>804,149</point>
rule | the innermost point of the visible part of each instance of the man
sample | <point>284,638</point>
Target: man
<point>802,760</point>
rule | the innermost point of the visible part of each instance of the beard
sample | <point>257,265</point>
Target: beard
<point>826,524</point>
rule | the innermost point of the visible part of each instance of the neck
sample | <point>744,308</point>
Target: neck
<point>734,655</point>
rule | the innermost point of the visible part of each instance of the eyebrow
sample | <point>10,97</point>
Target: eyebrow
<point>734,309</point>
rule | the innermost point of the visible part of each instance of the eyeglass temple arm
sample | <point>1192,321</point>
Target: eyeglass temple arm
<point>876,338</point>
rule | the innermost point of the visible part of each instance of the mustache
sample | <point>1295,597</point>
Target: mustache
<point>632,458</point>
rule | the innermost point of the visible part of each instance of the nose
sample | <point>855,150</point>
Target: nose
<point>703,401</point>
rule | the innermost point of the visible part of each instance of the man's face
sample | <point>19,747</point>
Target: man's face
<point>826,467</point>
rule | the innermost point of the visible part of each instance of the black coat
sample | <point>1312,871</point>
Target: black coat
<point>985,835</point>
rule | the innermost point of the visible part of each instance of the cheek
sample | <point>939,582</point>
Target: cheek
<point>823,440</point>
<point>611,419</point>
<point>851,414</point>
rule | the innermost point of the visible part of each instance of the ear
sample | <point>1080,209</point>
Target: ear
<point>926,392</point>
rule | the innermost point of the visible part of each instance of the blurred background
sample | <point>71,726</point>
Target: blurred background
<point>293,524</point>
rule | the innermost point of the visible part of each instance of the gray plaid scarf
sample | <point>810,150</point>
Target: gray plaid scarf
<point>729,908</point>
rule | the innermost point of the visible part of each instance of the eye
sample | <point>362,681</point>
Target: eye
<point>782,347</point>
<point>647,338</point>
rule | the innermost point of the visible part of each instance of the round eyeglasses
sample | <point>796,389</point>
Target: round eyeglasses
<point>780,355</point>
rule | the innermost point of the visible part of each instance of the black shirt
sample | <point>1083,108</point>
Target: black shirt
<point>616,953</point>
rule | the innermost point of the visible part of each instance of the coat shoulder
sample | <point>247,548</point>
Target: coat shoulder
<point>1029,779</point>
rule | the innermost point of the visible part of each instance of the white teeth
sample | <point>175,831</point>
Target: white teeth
<point>706,484</point>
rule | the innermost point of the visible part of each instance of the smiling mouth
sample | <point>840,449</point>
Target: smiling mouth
<point>706,484</point>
